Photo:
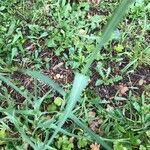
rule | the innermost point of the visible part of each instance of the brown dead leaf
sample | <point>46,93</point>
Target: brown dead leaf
<point>94,124</point>
<point>95,146</point>
<point>92,114</point>
<point>58,66</point>
<point>141,82</point>
<point>122,89</point>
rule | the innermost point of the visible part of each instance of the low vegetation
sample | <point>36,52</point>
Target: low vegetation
<point>74,75</point>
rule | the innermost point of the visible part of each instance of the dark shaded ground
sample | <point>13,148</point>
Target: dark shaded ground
<point>63,75</point>
<point>135,81</point>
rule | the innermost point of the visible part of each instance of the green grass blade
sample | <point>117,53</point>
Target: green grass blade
<point>53,126</point>
<point>2,78</point>
<point>46,80</point>
<point>38,102</point>
<point>80,82</point>
<point>125,69</point>
<point>13,119</point>
<point>116,18</point>
<point>95,137</point>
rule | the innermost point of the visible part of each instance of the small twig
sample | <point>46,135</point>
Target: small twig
<point>58,66</point>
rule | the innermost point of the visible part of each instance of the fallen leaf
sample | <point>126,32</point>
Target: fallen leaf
<point>92,114</point>
<point>58,76</point>
<point>122,89</point>
<point>141,82</point>
<point>58,66</point>
<point>94,124</point>
<point>95,146</point>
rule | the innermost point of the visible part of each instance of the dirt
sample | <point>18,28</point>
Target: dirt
<point>57,71</point>
<point>134,81</point>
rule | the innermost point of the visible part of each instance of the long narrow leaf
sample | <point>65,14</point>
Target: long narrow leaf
<point>2,78</point>
<point>46,80</point>
<point>80,82</point>
<point>38,102</point>
<point>116,18</point>
<point>24,136</point>
<point>94,136</point>
<point>128,66</point>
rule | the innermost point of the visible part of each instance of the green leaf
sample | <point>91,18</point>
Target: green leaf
<point>120,128</point>
<point>11,28</point>
<point>44,34</point>
<point>148,133</point>
<point>46,80</point>
<point>82,142</point>
<point>58,101</point>
<point>137,106</point>
<point>119,146</point>
<point>2,8</point>
<point>95,137</point>
<point>128,66</point>
<point>118,48</point>
<point>96,18</point>
<point>142,147</point>
<point>51,43</point>
<point>147,50</point>
<point>116,18</point>
<point>20,129</point>
<point>51,108</point>
<point>16,37</point>
<point>13,53</point>
<point>2,135</point>
<point>99,69</point>
<point>80,82</point>
<point>37,103</point>
<point>116,34</point>
<point>99,82</point>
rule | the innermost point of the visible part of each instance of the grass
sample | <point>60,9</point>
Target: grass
<point>106,105</point>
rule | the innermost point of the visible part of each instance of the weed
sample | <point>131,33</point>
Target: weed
<point>57,36</point>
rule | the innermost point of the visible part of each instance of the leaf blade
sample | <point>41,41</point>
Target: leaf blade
<point>95,137</point>
<point>116,18</point>
<point>2,78</point>
<point>80,82</point>
<point>46,80</point>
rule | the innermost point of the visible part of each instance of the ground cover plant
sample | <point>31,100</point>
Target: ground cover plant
<point>74,74</point>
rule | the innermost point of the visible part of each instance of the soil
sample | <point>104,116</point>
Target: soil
<point>131,81</point>
<point>135,81</point>
<point>64,75</point>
